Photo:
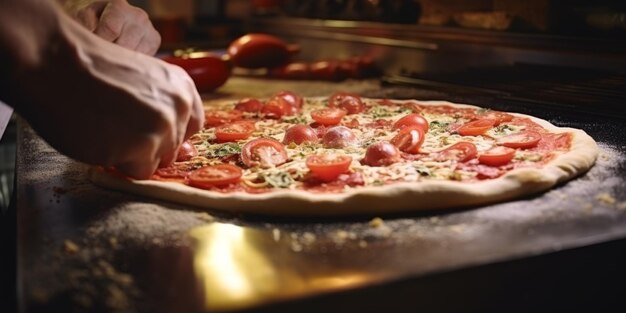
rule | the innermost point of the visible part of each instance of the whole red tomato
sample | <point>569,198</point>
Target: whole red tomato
<point>208,70</point>
<point>260,50</point>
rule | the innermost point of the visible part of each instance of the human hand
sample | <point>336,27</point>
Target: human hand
<point>116,21</point>
<point>104,105</point>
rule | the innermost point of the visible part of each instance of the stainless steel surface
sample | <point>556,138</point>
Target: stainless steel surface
<point>440,49</point>
<point>82,248</point>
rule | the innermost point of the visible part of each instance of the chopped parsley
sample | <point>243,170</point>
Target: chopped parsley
<point>437,127</point>
<point>423,171</point>
<point>378,182</point>
<point>222,150</point>
<point>295,119</point>
<point>382,111</point>
<point>277,179</point>
<point>503,129</point>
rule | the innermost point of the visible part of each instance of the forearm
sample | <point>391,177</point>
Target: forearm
<point>29,35</point>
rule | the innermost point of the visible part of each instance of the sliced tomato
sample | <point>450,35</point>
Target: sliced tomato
<point>218,117</point>
<point>186,152</point>
<point>523,140</point>
<point>328,116</point>
<point>264,153</point>
<point>497,156</point>
<point>381,154</point>
<point>412,119</point>
<point>409,139</point>
<point>215,176</point>
<point>347,101</point>
<point>339,137</point>
<point>328,167</point>
<point>460,152</point>
<point>171,172</point>
<point>413,106</point>
<point>250,105</point>
<point>477,127</point>
<point>299,134</point>
<point>386,102</point>
<point>238,130</point>
<point>292,98</point>
<point>499,117</point>
<point>276,108</point>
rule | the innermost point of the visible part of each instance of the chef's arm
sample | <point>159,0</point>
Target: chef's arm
<point>89,98</point>
<point>116,21</point>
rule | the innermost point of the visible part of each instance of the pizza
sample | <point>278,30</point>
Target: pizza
<point>345,155</point>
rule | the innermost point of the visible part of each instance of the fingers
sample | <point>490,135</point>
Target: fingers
<point>88,18</point>
<point>128,26</point>
<point>196,119</point>
<point>130,36</point>
<point>150,43</point>
<point>137,170</point>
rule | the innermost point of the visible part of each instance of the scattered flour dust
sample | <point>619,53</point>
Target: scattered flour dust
<point>145,223</point>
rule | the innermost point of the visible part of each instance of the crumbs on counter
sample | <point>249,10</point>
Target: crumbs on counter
<point>70,247</point>
<point>606,198</point>
<point>376,222</point>
<point>113,242</point>
<point>457,228</point>
<point>341,236</point>
<point>276,234</point>
<point>87,278</point>
<point>204,216</point>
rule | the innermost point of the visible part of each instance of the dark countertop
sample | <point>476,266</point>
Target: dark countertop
<point>82,248</point>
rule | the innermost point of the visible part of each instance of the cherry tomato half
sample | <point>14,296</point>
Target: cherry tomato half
<point>238,130</point>
<point>299,134</point>
<point>412,119</point>
<point>460,152</point>
<point>292,98</point>
<point>409,139</point>
<point>186,152</point>
<point>216,118</point>
<point>328,167</point>
<point>277,107</point>
<point>497,156</point>
<point>477,127</point>
<point>250,105</point>
<point>328,116</point>
<point>215,176</point>
<point>339,137</point>
<point>523,140</point>
<point>263,152</point>
<point>347,101</point>
<point>381,154</point>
